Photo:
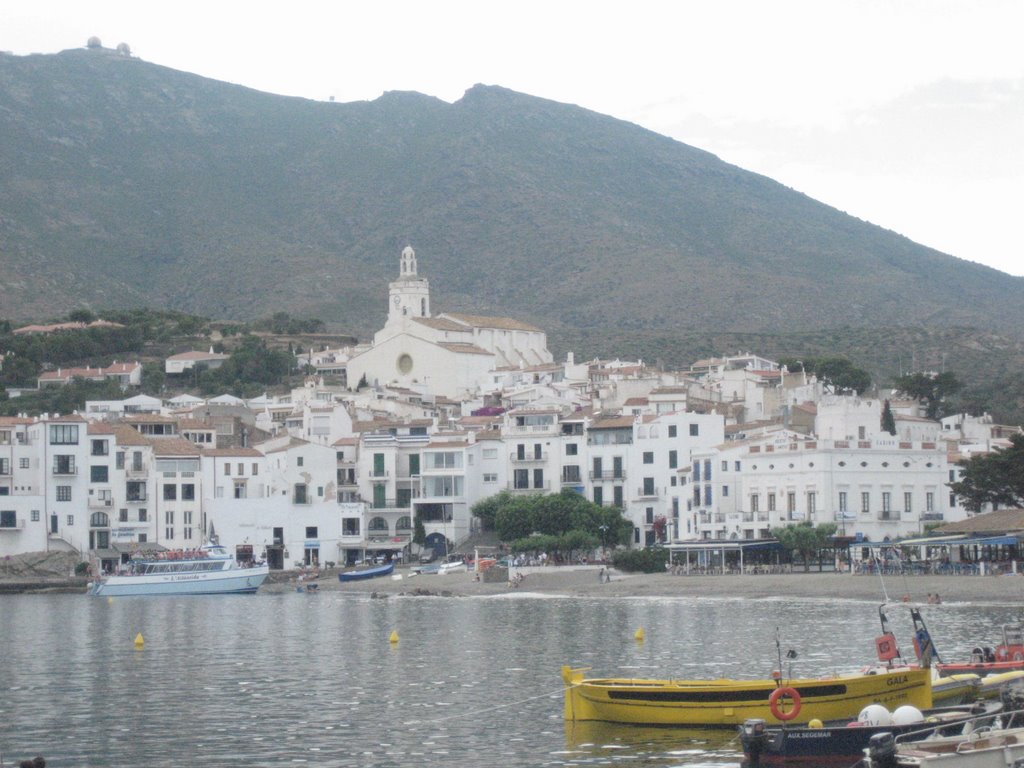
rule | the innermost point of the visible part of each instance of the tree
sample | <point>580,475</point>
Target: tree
<point>995,478</point>
<point>558,515</point>
<point>805,539</point>
<point>838,372</point>
<point>930,390</point>
<point>487,509</point>
<point>888,420</point>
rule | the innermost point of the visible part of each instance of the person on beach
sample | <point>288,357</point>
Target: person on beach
<point>600,576</point>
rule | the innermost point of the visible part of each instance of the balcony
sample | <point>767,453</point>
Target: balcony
<point>888,516</point>
<point>526,458</point>
<point>100,503</point>
<point>609,475</point>
<point>571,478</point>
<point>401,505</point>
<point>346,479</point>
<point>137,498</point>
<point>379,475</point>
<point>932,516</point>
<point>136,472</point>
<point>5,469</point>
<point>18,525</point>
<point>646,493</point>
<point>545,488</point>
<point>65,470</point>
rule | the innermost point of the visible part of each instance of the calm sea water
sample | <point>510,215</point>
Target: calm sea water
<point>291,679</point>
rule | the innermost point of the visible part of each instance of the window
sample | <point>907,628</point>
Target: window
<point>119,460</point>
<point>599,495</point>
<point>791,502</point>
<point>23,463</point>
<point>572,449</point>
<point>649,515</point>
<point>168,517</point>
<point>771,502</point>
<point>122,515</point>
<point>492,453</point>
<point>63,434</point>
<point>312,532</point>
<point>861,433</point>
<point>707,495</point>
<point>952,475</point>
<point>98,474</point>
<point>143,538</point>
<point>737,467</point>
<point>865,502</point>
<point>696,471</point>
<point>71,520</point>
<point>241,467</point>
<point>8,519</point>
<point>725,491</point>
<point>755,502</point>
<point>227,469</point>
<point>648,457</point>
<point>143,515</point>
<point>64,465</point>
<point>300,496</point>
<point>952,500</point>
<point>648,486</point>
<point>255,469</point>
<point>35,515</point>
<point>617,496</point>
<point>320,491</point>
<point>707,469</point>
<point>170,492</point>
<point>188,492</point>
<point>298,461</point>
<point>673,459</point>
<point>137,461</point>
<point>187,532</point>
<point>99,447</point>
<point>929,502</point>
<point>672,430</point>
<point>842,501</point>
<point>812,503</point>
<point>725,466</point>
<point>886,502</point>
<point>521,478</point>
<point>490,477</point>
<point>694,430</point>
<point>908,498</point>
<point>168,533</point>
<point>538,478</point>
<point>63,493</point>
<point>673,481</point>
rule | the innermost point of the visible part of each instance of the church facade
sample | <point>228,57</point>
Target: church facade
<point>450,354</point>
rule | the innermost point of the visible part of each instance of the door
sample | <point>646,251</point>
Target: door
<point>378,465</point>
<point>617,467</point>
<point>53,524</point>
<point>414,465</point>
<point>379,496</point>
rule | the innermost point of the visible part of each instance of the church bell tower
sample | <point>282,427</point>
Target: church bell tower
<point>409,295</point>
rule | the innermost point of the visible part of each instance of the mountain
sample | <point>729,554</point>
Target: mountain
<point>125,183</point>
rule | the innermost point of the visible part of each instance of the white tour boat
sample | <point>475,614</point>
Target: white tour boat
<point>206,571</point>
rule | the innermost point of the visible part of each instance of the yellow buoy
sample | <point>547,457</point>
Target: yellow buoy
<point>639,635</point>
<point>110,600</point>
<point>394,637</point>
<point>815,723</point>
<point>139,642</point>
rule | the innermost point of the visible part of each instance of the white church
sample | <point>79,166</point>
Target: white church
<point>450,354</point>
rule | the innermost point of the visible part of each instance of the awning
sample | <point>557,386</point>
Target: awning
<point>959,540</point>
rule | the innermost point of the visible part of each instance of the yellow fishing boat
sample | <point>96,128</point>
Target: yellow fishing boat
<point>727,702</point>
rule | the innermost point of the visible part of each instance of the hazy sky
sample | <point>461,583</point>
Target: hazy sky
<point>906,114</point>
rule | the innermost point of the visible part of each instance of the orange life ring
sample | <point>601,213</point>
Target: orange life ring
<point>777,695</point>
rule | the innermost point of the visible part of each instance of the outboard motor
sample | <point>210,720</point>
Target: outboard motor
<point>881,751</point>
<point>977,656</point>
<point>990,655</point>
<point>753,737</point>
<point>1012,697</point>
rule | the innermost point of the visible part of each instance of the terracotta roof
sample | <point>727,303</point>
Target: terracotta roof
<point>76,417</point>
<point>453,444</point>
<point>184,423</point>
<point>347,441</point>
<point>13,421</point>
<point>234,452</point>
<point>616,422</point>
<point>501,323</point>
<point>100,428</point>
<point>463,348</point>
<point>636,401</point>
<point>148,418</point>
<point>175,446</point>
<point>998,522</point>
<point>128,435</point>
<point>441,324</point>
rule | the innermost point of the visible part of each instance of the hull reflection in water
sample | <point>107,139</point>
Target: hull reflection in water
<point>600,741</point>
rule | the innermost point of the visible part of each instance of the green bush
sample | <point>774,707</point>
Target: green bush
<point>650,560</point>
<point>82,568</point>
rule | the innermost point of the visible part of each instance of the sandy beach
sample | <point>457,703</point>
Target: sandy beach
<point>583,581</point>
